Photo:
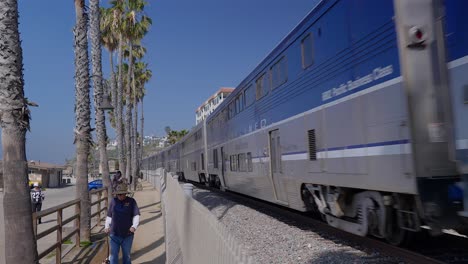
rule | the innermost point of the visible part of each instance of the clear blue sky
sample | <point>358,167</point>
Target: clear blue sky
<point>194,48</point>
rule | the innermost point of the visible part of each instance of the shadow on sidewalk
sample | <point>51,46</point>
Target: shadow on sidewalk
<point>148,248</point>
<point>161,259</point>
<point>150,219</point>
<point>90,253</point>
<point>148,205</point>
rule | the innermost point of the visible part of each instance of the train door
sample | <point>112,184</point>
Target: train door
<point>276,170</point>
<point>223,166</point>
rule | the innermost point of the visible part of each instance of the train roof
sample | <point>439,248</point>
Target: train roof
<point>315,13</point>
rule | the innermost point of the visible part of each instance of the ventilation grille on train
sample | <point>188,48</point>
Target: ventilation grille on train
<point>312,145</point>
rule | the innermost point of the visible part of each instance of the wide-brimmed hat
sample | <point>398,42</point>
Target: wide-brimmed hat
<point>122,188</point>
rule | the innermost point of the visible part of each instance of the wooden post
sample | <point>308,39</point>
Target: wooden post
<point>106,202</point>
<point>34,216</point>
<point>58,255</point>
<point>77,223</point>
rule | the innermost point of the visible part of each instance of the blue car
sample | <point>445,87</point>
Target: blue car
<point>97,184</point>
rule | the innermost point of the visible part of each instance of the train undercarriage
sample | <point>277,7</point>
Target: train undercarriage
<point>394,217</point>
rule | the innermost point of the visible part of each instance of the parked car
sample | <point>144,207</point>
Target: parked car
<point>96,184</point>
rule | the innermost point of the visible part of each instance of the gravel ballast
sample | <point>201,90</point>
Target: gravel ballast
<point>272,238</point>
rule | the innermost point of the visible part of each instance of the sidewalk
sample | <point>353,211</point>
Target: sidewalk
<point>148,245</point>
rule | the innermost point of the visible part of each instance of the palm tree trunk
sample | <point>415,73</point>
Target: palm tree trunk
<point>135,133</point>
<point>83,116</point>
<point>134,147</point>
<point>141,131</point>
<point>96,56</point>
<point>128,138</point>
<point>113,83</point>
<point>128,115</point>
<point>20,244</point>
<point>120,136</point>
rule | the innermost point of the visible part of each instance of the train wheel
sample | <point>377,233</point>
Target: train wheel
<point>310,204</point>
<point>217,182</point>
<point>394,234</point>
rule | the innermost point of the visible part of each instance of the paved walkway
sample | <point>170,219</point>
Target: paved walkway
<point>148,245</point>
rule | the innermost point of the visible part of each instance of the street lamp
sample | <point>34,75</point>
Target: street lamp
<point>105,103</point>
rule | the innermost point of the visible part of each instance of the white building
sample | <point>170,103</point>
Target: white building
<point>210,105</point>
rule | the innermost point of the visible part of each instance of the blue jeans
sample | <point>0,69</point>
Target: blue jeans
<point>115,243</point>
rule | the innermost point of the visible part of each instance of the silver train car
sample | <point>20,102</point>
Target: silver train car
<point>358,114</point>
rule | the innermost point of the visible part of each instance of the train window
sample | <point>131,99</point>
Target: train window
<point>232,110</point>
<point>242,162</point>
<point>215,158</point>
<point>312,145</point>
<point>278,73</point>
<point>249,161</point>
<point>262,86</point>
<point>233,162</point>
<point>194,166</point>
<point>307,48</point>
<point>202,160</point>
<point>249,96</point>
<point>240,103</point>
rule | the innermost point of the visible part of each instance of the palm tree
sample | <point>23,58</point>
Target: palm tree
<point>109,39</point>
<point>20,246</point>
<point>174,135</point>
<point>96,57</point>
<point>117,11</point>
<point>136,53</point>
<point>142,76</point>
<point>82,116</point>
<point>136,27</point>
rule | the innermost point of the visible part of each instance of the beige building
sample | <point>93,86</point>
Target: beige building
<point>47,174</point>
<point>210,105</point>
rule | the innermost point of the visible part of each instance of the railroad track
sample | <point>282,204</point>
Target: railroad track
<point>435,253</point>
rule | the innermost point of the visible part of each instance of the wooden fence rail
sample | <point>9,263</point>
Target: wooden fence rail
<point>60,222</point>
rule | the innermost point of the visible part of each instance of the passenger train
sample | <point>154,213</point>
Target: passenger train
<point>358,114</point>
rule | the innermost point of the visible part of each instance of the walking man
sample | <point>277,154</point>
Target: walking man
<point>37,196</point>
<point>118,179</point>
<point>122,221</point>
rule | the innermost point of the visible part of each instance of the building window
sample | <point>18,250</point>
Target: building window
<point>307,48</point>
<point>261,86</point>
<point>279,73</point>
<point>215,158</point>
